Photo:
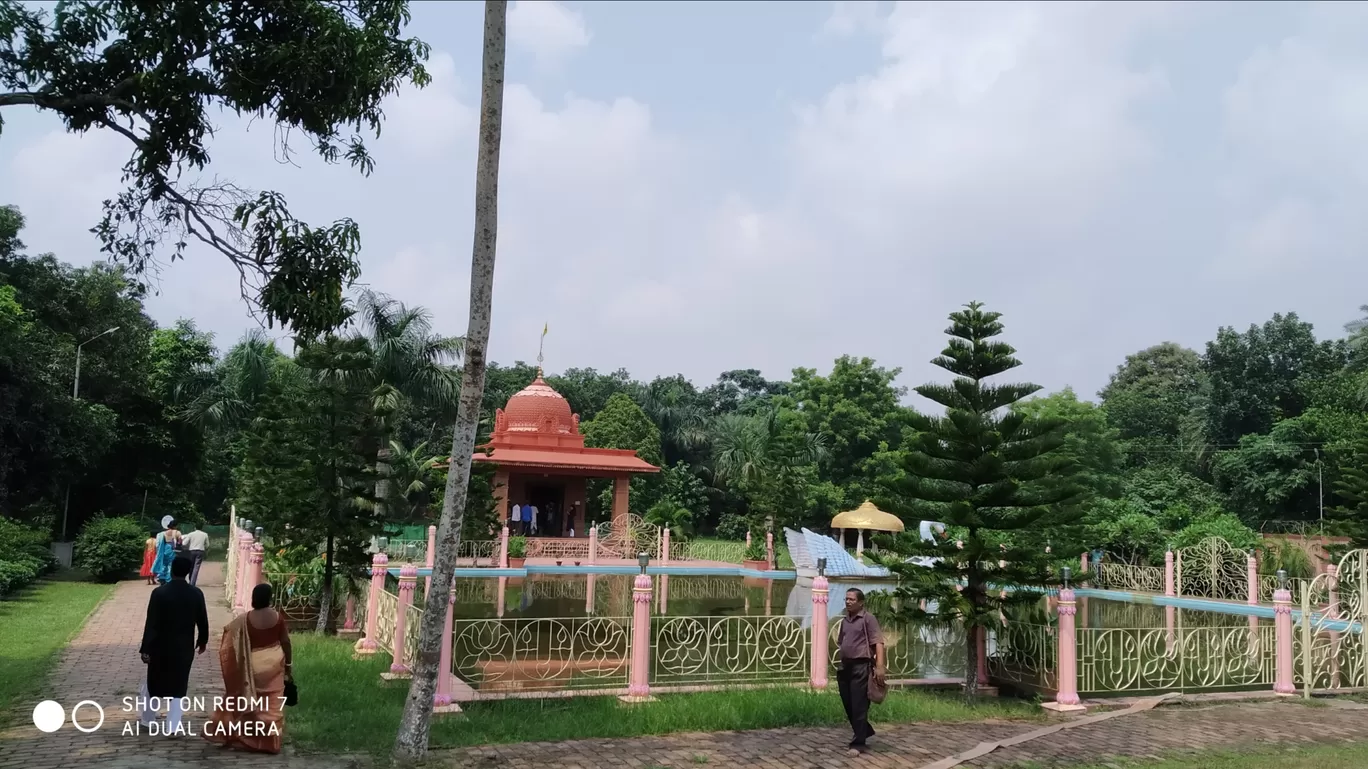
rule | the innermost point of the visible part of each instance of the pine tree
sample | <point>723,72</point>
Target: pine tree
<point>996,477</point>
<point>1352,518</point>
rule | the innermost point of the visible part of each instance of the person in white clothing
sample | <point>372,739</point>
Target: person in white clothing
<point>532,519</point>
<point>195,544</point>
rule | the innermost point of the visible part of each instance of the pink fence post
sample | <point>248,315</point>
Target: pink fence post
<point>821,595</point>
<point>665,546</point>
<point>408,583</point>
<point>503,548</point>
<point>638,682</point>
<point>244,592</point>
<point>1332,608</point>
<point>349,616</point>
<point>748,540</point>
<point>1178,574</point>
<point>593,546</point>
<point>1252,574</point>
<point>1282,627</point>
<point>379,567</point>
<point>1168,573</point>
<point>589,595</point>
<point>769,548</point>
<point>254,570</point>
<point>441,700</point>
<point>1066,698</point>
<point>1083,566</point>
<point>430,559</point>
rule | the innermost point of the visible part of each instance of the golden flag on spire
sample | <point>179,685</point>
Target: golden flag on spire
<point>545,328</point>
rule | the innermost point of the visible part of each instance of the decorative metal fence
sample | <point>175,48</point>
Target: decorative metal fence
<point>1123,660</point>
<point>719,552</point>
<point>709,650</point>
<point>1330,646</point>
<point>517,655</point>
<point>1213,568</point>
<point>915,651</point>
<point>1121,576</point>
<point>1026,656</point>
<point>386,617</point>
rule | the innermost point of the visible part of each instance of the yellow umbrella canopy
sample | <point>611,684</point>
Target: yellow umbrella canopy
<point>867,516</point>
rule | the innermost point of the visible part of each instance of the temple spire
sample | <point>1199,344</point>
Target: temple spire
<point>541,346</point>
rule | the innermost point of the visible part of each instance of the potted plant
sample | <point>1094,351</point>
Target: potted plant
<point>756,556</point>
<point>517,552</point>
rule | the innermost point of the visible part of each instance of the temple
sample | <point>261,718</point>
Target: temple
<point>542,461</point>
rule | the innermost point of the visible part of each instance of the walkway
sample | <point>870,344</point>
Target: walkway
<point>102,664</point>
<point>1170,729</point>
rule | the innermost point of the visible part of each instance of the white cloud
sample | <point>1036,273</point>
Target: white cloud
<point>547,29</point>
<point>851,17</point>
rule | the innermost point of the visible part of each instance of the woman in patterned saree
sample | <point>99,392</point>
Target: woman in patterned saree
<point>254,656</point>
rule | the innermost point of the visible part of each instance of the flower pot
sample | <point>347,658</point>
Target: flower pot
<point>516,563</point>
<point>756,565</point>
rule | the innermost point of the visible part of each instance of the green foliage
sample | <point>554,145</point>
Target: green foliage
<point>856,411</point>
<point>732,526</point>
<point>1090,443</point>
<point>24,555</point>
<point>756,550</point>
<point>16,573</point>
<point>1351,517</point>
<point>109,548</point>
<point>680,485</point>
<point>675,517</point>
<point>1223,525</point>
<point>517,547</point>
<point>1149,398</point>
<point>622,424</point>
<point>1283,555</point>
<point>159,76</point>
<point>1000,475</point>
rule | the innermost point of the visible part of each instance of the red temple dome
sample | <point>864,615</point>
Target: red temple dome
<point>537,408</point>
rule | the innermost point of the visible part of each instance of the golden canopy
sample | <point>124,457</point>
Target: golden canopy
<point>867,516</point>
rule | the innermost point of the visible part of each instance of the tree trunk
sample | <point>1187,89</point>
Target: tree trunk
<point>411,742</point>
<point>325,623</point>
<point>382,482</point>
<point>971,663</point>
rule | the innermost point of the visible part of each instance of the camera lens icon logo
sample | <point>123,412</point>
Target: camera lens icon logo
<point>49,716</point>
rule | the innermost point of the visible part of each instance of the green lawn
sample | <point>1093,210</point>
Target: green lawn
<point>1354,756</point>
<point>344,708</point>
<point>34,625</point>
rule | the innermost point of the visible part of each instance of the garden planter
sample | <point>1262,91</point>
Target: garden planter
<point>516,563</point>
<point>756,565</point>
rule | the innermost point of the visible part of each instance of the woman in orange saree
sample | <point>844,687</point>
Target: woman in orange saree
<point>254,656</point>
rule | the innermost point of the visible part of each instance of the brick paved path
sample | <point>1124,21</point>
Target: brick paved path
<point>102,664</point>
<point>1166,730</point>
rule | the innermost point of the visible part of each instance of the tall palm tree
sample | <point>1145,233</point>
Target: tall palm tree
<point>682,420</point>
<point>409,363</point>
<point>225,397</point>
<point>410,743</point>
<point>411,474</point>
<point>753,454</point>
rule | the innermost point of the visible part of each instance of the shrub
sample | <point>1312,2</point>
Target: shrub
<point>673,516</point>
<point>18,572</point>
<point>1223,525</point>
<point>757,551</point>
<point>517,547</point>
<point>109,548</point>
<point>1283,554</point>
<point>19,542</point>
<point>732,526</point>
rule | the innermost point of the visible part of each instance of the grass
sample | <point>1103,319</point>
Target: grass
<point>34,626</point>
<point>1353,756</point>
<point>343,707</point>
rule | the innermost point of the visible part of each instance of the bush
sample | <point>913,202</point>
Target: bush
<point>1223,525</point>
<point>109,548</point>
<point>16,573</point>
<point>517,547</point>
<point>732,526</point>
<point>757,550</point>
<point>19,543</point>
<point>673,516</point>
<point>1283,554</point>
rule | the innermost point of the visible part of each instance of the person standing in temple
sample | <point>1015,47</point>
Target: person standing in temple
<point>532,518</point>
<point>176,628</point>
<point>861,646</point>
<point>515,517</point>
<point>195,543</point>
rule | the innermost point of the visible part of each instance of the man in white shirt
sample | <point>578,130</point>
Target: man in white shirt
<point>194,543</point>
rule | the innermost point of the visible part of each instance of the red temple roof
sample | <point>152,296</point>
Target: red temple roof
<point>536,429</point>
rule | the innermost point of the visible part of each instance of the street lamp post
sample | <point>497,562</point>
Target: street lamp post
<point>75,393</point>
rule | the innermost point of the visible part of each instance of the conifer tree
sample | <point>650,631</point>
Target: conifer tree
<point>1352,518</point>
<point>995,476</point>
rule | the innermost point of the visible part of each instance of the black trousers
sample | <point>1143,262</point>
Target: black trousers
<point>852,680</point>
<point>196,560</point>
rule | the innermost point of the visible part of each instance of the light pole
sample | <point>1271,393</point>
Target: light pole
<point>75,393</point>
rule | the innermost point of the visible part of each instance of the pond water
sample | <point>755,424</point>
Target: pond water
<point>542,596</point>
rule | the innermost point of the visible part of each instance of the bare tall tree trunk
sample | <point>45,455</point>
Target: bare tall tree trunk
<point>411,742</point>
<point>325,599</point>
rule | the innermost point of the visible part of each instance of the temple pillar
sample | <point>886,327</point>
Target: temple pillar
<point>501,495</point>
<point>622,485</point>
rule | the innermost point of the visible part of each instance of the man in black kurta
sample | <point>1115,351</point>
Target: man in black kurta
<point>175,612</point>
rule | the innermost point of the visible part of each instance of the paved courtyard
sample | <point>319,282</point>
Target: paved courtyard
<point>102,664</point>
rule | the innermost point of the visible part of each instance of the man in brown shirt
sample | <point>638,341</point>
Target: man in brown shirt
<point>861,646</point>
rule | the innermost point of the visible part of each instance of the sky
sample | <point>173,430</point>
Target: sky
<point>694,187</point>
